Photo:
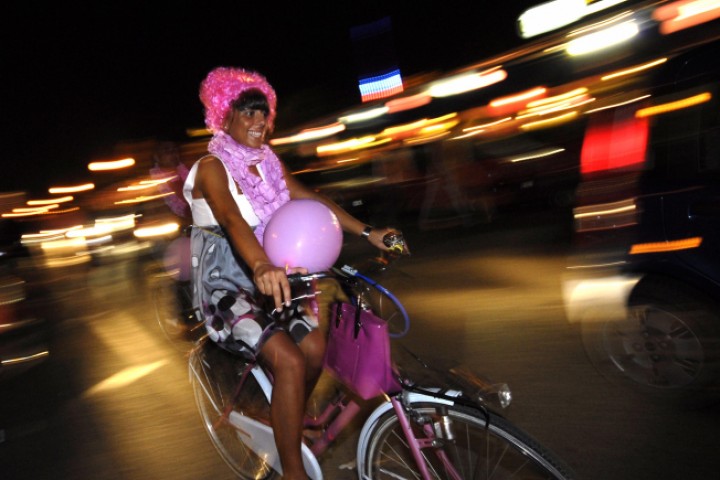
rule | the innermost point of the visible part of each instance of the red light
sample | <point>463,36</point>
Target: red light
<point>614,140</point>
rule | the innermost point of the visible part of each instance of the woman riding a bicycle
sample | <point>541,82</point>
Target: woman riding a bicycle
<point>233,192</point>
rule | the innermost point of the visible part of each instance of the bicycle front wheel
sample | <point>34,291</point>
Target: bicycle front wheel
<point>474,447</point>
<point>214,382</point>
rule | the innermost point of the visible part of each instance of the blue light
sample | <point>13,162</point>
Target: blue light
<point>381,86</point>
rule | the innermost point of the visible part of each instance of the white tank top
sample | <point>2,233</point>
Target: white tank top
<point>202,214</point>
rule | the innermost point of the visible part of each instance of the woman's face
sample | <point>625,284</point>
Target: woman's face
<point>247,126</point>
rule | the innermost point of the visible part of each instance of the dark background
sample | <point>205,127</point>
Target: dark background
<point>78,78</point>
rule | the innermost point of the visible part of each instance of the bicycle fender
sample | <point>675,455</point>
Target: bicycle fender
<point>263,381</point>
<point>261,440</point>
<point>412,397</point>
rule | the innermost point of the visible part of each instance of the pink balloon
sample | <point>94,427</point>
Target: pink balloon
<point>177,259</point>
<point>303,233</point>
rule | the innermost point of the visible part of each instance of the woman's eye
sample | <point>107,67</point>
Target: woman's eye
<point>251,113</point>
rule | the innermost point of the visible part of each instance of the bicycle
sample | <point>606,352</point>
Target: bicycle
<point>170,291</point>
<point>416,431</point>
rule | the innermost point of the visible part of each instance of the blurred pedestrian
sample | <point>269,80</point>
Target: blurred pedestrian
<point>171,172</point>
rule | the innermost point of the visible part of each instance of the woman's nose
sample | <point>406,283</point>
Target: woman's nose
<point>259,116</point>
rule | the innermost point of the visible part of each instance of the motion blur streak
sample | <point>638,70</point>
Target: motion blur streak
<point>72,189</point>
<point>467,83</point>
<point>111,165</point>
<point>634,70</point>
<point>603,39</point>
<point>125,377</point>
<point>685,14</point>
<point>676,105</point>
<point>672,245</point>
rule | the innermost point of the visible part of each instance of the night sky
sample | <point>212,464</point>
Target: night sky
<point>78,79</point>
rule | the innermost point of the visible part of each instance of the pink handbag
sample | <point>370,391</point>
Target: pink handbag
<point>358,352</point>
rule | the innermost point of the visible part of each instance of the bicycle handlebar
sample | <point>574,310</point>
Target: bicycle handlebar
<point>349,272</point>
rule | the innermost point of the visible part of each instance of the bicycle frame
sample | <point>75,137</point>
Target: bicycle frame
<point>340,412</point>
<point>335,417</point>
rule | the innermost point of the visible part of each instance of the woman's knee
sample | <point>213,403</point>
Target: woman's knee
<point>283,355</point>
<point>313,345</point>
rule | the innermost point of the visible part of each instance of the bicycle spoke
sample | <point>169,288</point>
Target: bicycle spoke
<point>472,449</point>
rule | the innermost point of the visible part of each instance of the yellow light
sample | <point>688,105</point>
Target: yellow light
<point>548,122</point>
<point>124,222</point>
<point>676,105</point>
<point>111,165</point>
<point>125,377</point>
<point>68,198</point>
<point>538,154</point>
<point>655,247</point>
<point>139,186</point>
<point>156,231</point>
<point>142,198</point>
<point>487,125</point>
<point>556,103</point>
<point>556,14</point>
<point>630,71</point>
<point>605,38</point>
<point>89,231</point>
<point>63,244</point>
<point>558,98</point>
<point>71,189</point>
<point>614,208</point>
<point>198,132</point>
<point>438,128</point>
<point>39,212</point>
<point>310,134</point>
<point>365,115</point>
<point>42,209</point>
<point>351,144</point>
<point>466,83</point>
<point>535,92</point>
<point>618,104</point>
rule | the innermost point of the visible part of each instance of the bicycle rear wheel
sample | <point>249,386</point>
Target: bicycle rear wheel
<point>172,303</point>
<point>479,449</point>
<point>215,375</point>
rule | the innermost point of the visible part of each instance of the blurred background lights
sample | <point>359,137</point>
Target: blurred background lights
<point>556,14</point>
<point>111,164</point>
<point>364,115</point>
<point>466,83</point>
<point>310,134</point>
<point>684,14</point>
<point>381,86</point>
<point>407,103</point>
<point>49,201</point>
<point>157,230</point>
<point>71,188</point>
<point>602,39</point>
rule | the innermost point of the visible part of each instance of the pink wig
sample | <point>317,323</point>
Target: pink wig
<point>223,85</point>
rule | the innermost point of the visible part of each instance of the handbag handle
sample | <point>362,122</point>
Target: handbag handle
<point>339,314</point>
<point>358,323</point>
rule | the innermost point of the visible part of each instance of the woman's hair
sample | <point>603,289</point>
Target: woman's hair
<point>223,87</point>
<point>252,99</point>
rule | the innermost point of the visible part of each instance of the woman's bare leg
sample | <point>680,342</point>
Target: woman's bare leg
<point>287,408</point>
<point>313,348</point>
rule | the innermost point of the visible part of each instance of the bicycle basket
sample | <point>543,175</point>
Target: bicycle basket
<point>358,352</point>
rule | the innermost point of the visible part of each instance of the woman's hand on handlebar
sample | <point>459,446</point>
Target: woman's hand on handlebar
<point>272,281</point>
<point>378,237</point>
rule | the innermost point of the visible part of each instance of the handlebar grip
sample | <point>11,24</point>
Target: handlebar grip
<point>395,242</point>
<point>298,278</point>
